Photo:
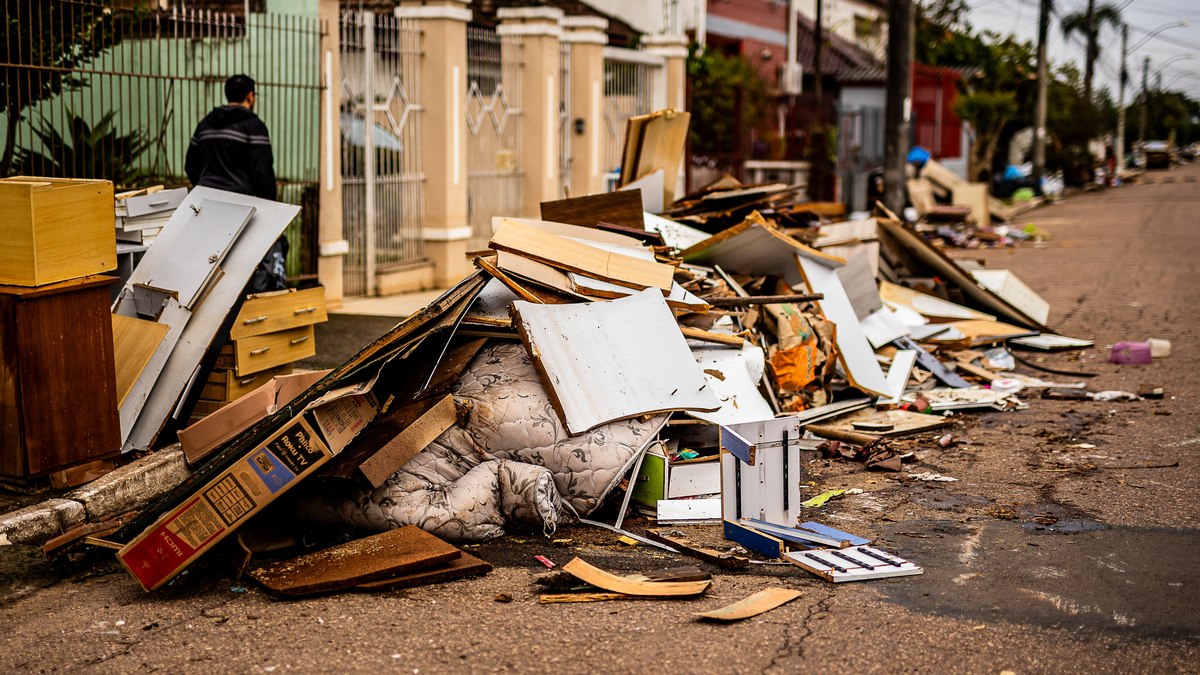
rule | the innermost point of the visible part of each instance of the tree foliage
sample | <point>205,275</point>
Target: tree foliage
<point>44,43</point>
<point>1077,22</point>
<point>88,151</point>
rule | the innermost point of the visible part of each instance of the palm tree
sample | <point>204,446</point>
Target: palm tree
<point>1089,23</point>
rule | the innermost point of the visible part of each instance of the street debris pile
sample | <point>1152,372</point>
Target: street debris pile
<point>955,213</point>
<point>690,365</point>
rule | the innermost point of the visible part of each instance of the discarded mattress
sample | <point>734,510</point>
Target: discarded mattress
<point>513,464</point>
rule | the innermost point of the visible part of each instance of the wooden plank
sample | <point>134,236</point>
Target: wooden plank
<point>753,540</point>
<point>752,605</point>
<point>926,305</point>
<point>903,422</point>
<point>688,547</point>
<point>625,373</point>
<point>463,567</point>
<point>757,248</point>
<point>412,439</point>
<point>982,331</point>
<point>558,598</point>
<point>618,208</point>
<point>655,142</point>
<point>134,343</point>
<point>975,197</point>
<point>574,256</point>
<point>611,582</point>
<point>854,351</point>
<point>272,312</point>
<point>380,556</point>
<point>694,333</point>
<point>944,267</point>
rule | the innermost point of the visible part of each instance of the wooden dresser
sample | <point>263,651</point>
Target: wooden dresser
<point>58,394</point>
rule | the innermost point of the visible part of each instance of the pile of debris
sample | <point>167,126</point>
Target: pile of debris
<point>604,347</point>
<point>967,215</point>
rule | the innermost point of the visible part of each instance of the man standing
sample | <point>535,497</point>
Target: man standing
<point>231,150</point>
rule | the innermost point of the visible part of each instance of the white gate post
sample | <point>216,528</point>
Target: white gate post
<point>443,25</point>
<point>587,37</point>
<point>331,242</point>
<point>539,31</point>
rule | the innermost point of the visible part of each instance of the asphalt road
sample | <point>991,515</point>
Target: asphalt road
<point>1047,555</point>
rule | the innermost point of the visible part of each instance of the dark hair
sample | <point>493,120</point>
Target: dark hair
<point>238,87</point>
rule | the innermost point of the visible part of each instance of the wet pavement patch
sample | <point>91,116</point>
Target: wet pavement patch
<point>1137,582</point>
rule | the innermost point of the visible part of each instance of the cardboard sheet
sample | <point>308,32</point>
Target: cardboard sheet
<point>598,365</point>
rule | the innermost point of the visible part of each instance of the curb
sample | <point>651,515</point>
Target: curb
<point>127,488</point>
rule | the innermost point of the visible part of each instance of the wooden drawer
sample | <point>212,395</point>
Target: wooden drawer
<point>262,352</point>
<point>265,313</point>
<point>55,229</point>
<point>225,385</point>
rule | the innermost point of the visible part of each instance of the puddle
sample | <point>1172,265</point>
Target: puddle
<point>1129,581</point>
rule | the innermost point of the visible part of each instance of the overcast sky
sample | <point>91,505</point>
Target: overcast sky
<point>1143,16</point>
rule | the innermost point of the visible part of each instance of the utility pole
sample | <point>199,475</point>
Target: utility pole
<point>1043,78</point>
<point>1092,51</point>
<point>1120,144</point>
<point>898,110</point>
<point>818,47</point>
<point>1145,99</point>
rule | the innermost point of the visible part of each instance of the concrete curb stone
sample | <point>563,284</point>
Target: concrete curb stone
<point>132,485</point>
<point>37,523</point>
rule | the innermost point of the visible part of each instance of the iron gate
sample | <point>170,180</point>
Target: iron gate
<point>495,177</point>
<point>383,184</point>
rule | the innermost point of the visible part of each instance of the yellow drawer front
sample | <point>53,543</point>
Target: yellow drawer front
<point>261,352</point>
<point>273,312</point>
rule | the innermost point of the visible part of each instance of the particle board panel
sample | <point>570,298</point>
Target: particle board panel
<point>903,422</point>
<point>419,425</point>
<point>465,566</point>
<point>654,589</point>
<point>927,305</point>
<point>599,364</point>
<point>655,142</point>
<point>574,256</point>
<point>618,208</point>
<point>757,248</point>
<point>270,312</point>
<point>854,351</point>
<point>897,376</point>
<point>574,231</point>
<point>134,344</point>
<point>380,556</point>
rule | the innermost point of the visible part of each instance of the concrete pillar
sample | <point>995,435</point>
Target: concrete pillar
<point>674,50</point>
<point>443,75</point>
<point>587,37</point>
<point>539,32</point>
<point>332,246</point>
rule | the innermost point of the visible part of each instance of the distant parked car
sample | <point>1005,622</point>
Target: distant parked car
<point>1158,154</point>
<point>1189,152</point>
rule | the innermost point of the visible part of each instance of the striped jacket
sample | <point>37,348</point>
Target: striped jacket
<point>231,150</point>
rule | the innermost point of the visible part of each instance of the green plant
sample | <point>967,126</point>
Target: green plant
<point>728,99</point>
<point>987,112</point>
<point>90,151</point>
<point>44,43</point>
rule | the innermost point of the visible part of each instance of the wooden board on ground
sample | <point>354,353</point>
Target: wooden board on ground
<point>618,208</point>
<point>134,342</point>
<point>574,256</point>
<point>463,567</point>
<point>753,605</point>
<point>380,556</point>
<point>686,546</point>
<point>901,422</point>
<point>616,584</point>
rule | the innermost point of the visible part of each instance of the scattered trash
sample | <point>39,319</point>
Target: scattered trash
<point>1131,353</point>
<point>931,477</point>
<point>546,562</point>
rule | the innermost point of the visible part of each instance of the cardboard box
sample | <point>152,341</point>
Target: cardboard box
<point>55,229</point>
<point>202,438</point>
<point>215,511</point>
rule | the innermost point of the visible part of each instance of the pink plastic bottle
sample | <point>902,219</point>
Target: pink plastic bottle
<point>1131,353</point>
